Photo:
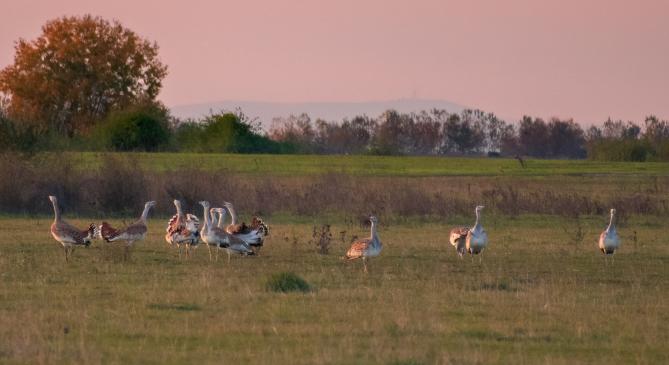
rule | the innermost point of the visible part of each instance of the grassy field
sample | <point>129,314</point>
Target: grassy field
<point>537,297</point>
<point>291,165</point>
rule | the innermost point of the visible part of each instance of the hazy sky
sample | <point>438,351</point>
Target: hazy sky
<point>586,59</point>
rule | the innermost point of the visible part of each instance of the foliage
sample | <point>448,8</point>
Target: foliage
<point>77,71</point>
<point>619,141</point>
<point>286,282</point>
<point>142,127</point>
<point>223,132</point>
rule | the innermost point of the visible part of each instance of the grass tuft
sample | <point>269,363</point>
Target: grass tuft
<point>287,282</point>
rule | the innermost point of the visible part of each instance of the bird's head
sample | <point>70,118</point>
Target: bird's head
<point>227,205</point>
<point>150,204</point>
<point>613,211</point>
<point>479,208</point>
<point>53,199</point>
<point>204,203</point>
<point>177,203</point>
<point>373,219</point>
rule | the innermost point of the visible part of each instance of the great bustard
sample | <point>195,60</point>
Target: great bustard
<point>68,235</point>
<point>609,240</point>
<point>253,234</point>
<point>131,234</point>
<point>217,237</point>
<point>470,240</point>
<point>183,230</point>
<point>367,247</point>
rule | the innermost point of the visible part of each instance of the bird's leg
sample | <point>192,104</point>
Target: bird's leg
<point>209,248</point>
<point>66,257</point>
<point>217,251</point>
<point>126,253</point>
<point>364,263</point>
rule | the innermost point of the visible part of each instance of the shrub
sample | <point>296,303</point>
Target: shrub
<point>620,150</point>
<point>287,282</point>
<point>224,132</point>
<point>141,127</point>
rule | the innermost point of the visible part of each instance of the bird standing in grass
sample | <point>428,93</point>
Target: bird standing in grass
<point>68,235</point>
<point>131,234</point>
<point>217,237</point>
<point>470,240</point>
<point>183,230</point>
<point>367,247</point>
<point>608,240</point>
<point>253,234</point>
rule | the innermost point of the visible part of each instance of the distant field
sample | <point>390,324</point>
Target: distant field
<point>377,165</point>
<point>538,297</point>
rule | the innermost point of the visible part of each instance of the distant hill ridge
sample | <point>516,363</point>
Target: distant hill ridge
<point>330,111</point>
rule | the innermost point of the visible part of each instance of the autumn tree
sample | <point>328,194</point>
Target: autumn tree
<point>77,71</point>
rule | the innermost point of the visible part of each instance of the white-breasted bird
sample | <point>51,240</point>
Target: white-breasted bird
<point>217,237</point>
<point>470,240</point>
<point>183,230</point>
<point>130,234</point>
<point>68,235</point>
<point>253,234</point>
<point>609,240</point>
<point>367,247</point>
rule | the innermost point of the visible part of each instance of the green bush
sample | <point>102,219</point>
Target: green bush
<point>224,133</point>
<point>287,282</point>
<point>138,128</point>
<point>620,150</point>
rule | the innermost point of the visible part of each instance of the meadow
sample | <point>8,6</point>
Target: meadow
<point>363,165</point>
<point>542,292</point>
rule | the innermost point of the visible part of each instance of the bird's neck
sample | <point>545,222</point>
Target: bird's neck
<point>373,231</point>
<point>56,212</point>
<point>180,212</point>
<point>478,219</point>
<point>145,213</point>
<point>233,215</point>
<point>206,216</point>
<point>221,220</point>
<point>213,218</point>
<point>611,226</point>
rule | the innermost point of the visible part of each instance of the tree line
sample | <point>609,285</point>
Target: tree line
<point>474,132</point>
<point>90,84</point>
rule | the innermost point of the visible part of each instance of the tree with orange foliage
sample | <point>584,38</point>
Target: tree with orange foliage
<point>77,71</point>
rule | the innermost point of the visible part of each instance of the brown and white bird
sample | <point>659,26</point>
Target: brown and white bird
<point>216,237</point>
<point>609,240</point>
<point>470,240</point>
<point>367,247</point>
<point>68,235</point>
<point>183,230</point>
<point>130,234</point>
<point>253,234</point>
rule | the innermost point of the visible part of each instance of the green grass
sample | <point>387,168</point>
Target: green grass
<point>286,282</point>
<point>290,165</point>
<point>536,297</point>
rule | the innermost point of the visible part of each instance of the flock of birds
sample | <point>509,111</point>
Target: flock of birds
<point>184,232</point>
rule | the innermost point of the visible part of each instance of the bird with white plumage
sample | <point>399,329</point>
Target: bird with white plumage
<point>608,239</point>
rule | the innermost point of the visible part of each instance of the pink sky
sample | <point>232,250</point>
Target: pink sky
<point>585,59</point>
